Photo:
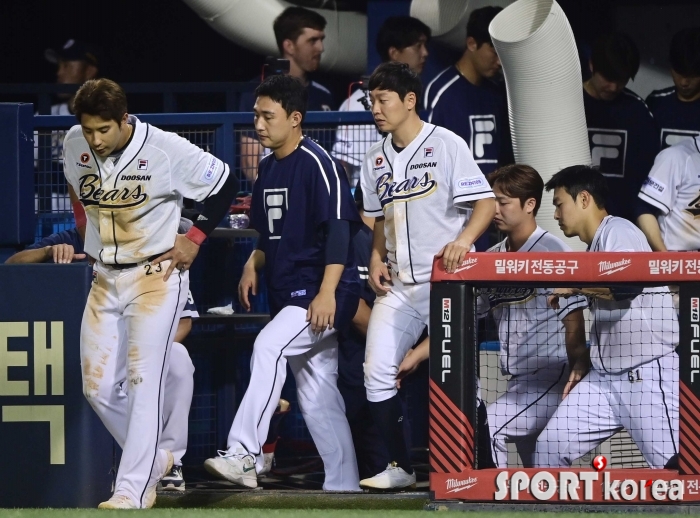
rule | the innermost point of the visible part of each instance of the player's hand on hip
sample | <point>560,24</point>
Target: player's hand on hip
<point>248,284</point>
<point>181,255</point>
<point>379,277</point>
<point>64,253</point>
<point>453,254</point>
<point>321,312</point>
<point>557,293</point>
<point>408,366</point>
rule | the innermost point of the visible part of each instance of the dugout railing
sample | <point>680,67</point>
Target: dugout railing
<point>455,338</point>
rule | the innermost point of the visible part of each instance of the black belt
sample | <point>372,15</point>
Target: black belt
<point>124,266</point>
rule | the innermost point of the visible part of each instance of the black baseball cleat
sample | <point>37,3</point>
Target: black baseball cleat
<point>172,481</point>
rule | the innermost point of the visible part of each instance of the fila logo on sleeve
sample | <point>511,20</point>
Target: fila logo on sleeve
<point>276,206</point>
<point>483,128</point>
<point>608,150</point>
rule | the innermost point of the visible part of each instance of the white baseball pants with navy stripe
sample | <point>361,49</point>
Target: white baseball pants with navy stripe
<point>522,412</point>
<point>313,359</point>
<point>134,314</point>
<point>644,401</point>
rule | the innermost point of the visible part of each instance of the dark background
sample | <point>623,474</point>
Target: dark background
<point>165,41</point>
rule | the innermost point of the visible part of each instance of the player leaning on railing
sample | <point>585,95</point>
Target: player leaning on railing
<point>633,382</point>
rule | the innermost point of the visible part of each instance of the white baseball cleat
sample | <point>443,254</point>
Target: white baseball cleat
<point>238,468</point>
<point>161,467</point>
<point>118,502</point>
<point>393,477</point>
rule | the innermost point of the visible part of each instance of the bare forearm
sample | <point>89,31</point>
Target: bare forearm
<point>575,337</point>
<point>37,255</point>
<point>650,226</point>
<point>422,350</point>
<point>361,319</point>
<point>331,278</point>
<point>481,218</point>
<point>256,261</point>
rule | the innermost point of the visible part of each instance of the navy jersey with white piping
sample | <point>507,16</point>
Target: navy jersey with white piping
<point>478,114</point>
<point>133,200</point>
<point>677,120</point>
<point>623,138</point>
<point>293,200</point>
<point>424,192</point>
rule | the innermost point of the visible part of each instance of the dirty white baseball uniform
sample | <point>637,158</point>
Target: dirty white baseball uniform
<point>634,379</point>
<point>133,203</point>
<point>423,192</point>
<point>533,354</point>
<point>673,187</point>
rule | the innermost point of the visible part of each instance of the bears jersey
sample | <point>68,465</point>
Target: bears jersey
<point>673,187</point>
<point>531,333</point>
<point>423,192</point>
<point>353,141</point>
<point>478,114</point>
<point>628,333</point>
<point>677,120</point>
<point>133,201</point>
<point>293,199</point>
<point>624,141</point>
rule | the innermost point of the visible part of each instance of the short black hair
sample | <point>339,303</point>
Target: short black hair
<point>578,178</point>
<point>396,77</point>
<point>478,24</point>
<point>615,56</point>
<point>684,54</point>
<point>291,23</point>
<point>400,32</point>
<point>286,90</point>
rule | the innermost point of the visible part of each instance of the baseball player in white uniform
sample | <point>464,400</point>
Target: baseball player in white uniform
<point>670,198</point>
<point>418,182</point>
<point>633,382</point>
<point>542,350</point>
<point>131,178</point>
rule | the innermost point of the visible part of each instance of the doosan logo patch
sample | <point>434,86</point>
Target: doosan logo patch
<point>379,161</point>
<point>85,158</point>
<point>471,182</point>
<point>142,165</point>
<point>209,172</point>
<point>427,152</point>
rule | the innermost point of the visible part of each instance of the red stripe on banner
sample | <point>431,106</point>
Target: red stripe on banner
<point>455,429</point>
<point>459,415</point>
<point>689,428</point>
<point>563,268</point>
<point>451,436</point>
<point>443,450</point>
<point>460,431</point>
<point>452,428</point>
<point>463,457</point>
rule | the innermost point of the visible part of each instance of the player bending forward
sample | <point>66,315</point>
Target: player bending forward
<point>303,209</point>
<point>542,350</point>
<point>633,383</point>
<point>131,178</point>
<point>418,182</point>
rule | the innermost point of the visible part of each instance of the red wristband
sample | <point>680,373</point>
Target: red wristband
<point>196,236</point>
<point>79,213</point>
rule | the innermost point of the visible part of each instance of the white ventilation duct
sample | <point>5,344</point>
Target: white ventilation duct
<point>545,95</point>
<point>249,24</point>
<point>447,19</point>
